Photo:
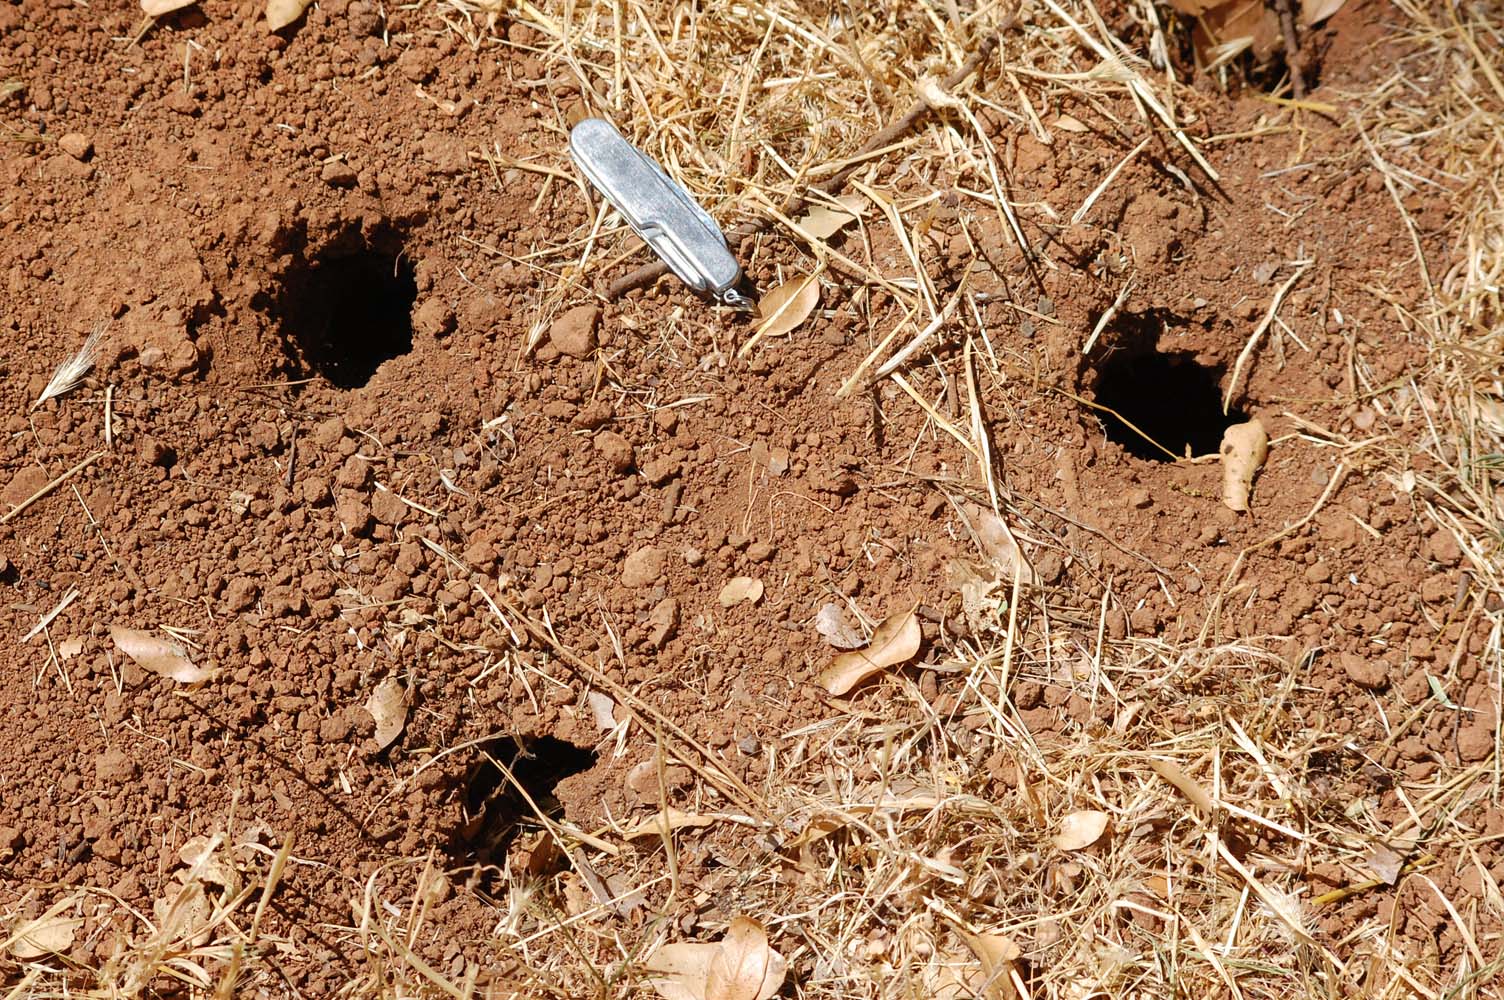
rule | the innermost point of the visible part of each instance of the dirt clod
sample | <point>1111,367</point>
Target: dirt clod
<point>643,568</point>
<point>574,333</point>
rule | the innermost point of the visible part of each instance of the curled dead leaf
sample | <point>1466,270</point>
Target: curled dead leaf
<point>1188,786</point>
<point>1244,449</point>
<point>785,307</point>
<point>156,8</point>
<point>741,589</point>
<point>896,640</point>
<point>160,656</point>
<point>281,13</point>
<point>388,707</point>
<point>741,966</point>
<point>1080,830</point>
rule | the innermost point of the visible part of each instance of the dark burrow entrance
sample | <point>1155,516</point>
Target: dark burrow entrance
<point>510,772</point>
<point>1169,397</point>
<point>349,309</point>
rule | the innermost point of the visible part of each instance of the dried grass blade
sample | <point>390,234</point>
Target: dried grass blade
<point>71,372</point>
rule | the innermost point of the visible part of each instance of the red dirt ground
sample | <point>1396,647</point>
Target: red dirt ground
<point>313,536</point>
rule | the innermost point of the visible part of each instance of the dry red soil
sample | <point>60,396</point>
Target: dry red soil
<point>330,441</point>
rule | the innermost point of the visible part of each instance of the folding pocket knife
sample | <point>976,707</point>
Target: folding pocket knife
<point>658,210</point>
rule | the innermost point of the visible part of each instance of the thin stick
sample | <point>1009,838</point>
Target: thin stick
<point>68,599</point>
<point>60,480</point>
<point>649,273</point>
<point>1107,316</point>
<point>1247,352</point>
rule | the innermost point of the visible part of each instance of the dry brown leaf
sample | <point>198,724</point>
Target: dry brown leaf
<point>49,934</point>
<point>788,305</point>
<point>822,222</point>
<point>831,623</point>
<point>894,641</point>
<point>1001,547</point>
<point>1386,864</point>
<point>281,13</point>
<point>997,954</point>
<point>201,856</point>
<point>158,655</point>
<point>1188,786</point>
<point>1244,449</point>
<point>720,971</point>
<point>1068,123</point>
<point>1315,11</point>
<point>1080,829</point>
<point>388,706</point>
<point>156,8</point>
<point>667,821</point>
<point>741,589</point>
<point>69,648</point>
<point>742,966</point>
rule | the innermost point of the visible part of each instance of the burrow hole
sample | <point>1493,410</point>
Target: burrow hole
<point>496,810</point>
<point>1170,397</point>
<point>349,309</point>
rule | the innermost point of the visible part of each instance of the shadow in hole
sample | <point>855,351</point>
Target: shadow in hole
<point>1170,397</point>
<point>348,310</point>
<point>495,806</point>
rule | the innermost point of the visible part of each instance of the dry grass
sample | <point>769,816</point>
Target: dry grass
<point>877,845</point>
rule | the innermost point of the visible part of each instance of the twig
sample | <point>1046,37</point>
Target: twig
<point>1293,57</point>
<point>649,273</point>
<point>1247,352</point>
<point>60,480</point>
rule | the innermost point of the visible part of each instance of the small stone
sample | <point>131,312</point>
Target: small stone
<point>573,333</point>
<point>1475,742</point>
<point>1318,573</point>
<point>616,450</point>
<point>1366,672</point>
<point>664,621</point>
<point>643,568</point>
<point>154,452</point>
<point>387,508</point>
<point>354,474</point>
<point>241,593</point>
<point>1138,498</point>
<point>338,173</point>
<point>181,102</point>
<point>76,145</point>
<point>760,552</point>
<point>114,767</point>
<point>434,318</point>
<point>659,471</point>
<point>693,556</point>
<point>354,513</point>
<point>328,434</point>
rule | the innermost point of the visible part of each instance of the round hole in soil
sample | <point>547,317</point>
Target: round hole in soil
<point>1170,397</point>
<point>349,310</point>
